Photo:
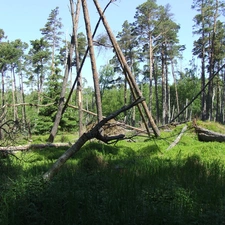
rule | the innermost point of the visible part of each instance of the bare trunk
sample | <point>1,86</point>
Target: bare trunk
<point>3,103</point>
<point>93,61</point>
<point>150,71</point>
<point>93,133</point>
<point>203,95</point>
<point>62,94</point>
<point>156,93</point>
<point>24,119</point>
<point>175,86</point>
<point>128,71</point>
<point>13,96</point>
<point>163,92</point>
<point>79,79</point>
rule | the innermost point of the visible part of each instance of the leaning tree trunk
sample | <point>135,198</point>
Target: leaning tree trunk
<point>63,91</point>
<point>93,133</point>
<point>93,61</point>
<point>128,71</point>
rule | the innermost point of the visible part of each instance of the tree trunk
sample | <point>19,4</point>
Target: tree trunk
<point>178,138</point>
<point>208,135</point>
<point>203,95</point>
<point>150,71</point>
<point>13,95</point>
<point>175,86</point>
<point>24,117</point>
<point>156,92</point>
<point>3,103</point>
<point>127,69</point>
<point>75,19</point>
<point>93,61</point>
<point>93,133</point>
<point>163,90</point>
<point>62,95</point>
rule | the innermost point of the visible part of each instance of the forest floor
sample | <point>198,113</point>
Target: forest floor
<point>134,181</point>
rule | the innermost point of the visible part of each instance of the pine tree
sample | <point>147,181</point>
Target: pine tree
<point>52,33</point>
<point>146,18</point>
<point>39,57</point>
<point>128,44</point>
<point>206,26</point>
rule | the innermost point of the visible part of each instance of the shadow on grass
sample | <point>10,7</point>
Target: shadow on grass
<point>144,189</point>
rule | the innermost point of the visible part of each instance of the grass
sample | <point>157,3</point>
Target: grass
<point>126,183</point>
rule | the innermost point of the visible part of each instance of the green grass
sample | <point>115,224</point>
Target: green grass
<point>131,183</point>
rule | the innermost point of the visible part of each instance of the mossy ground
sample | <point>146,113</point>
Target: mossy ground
<point>137,182</point>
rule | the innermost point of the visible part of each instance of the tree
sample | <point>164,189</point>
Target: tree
<point>207,26</point>
<point>128,44</point>
<point>52,33</point>
<point>134,88</point>
<point>75,19</point>
<point>146,18</point>
<point>93,61</point>
<point>2,35</point>
<point>107,78</point>
<point>166,47</point>
<point>68,67</point>
<point>39,56</point>
<point>200,46</point>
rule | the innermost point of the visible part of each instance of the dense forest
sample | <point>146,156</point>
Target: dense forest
<point>39,95</point>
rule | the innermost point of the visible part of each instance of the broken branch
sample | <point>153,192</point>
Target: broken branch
<point>93,133</point>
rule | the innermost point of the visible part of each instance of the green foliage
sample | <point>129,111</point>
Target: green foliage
<point>105,184</point>
<point>51,31</point>
<point>43,125</point>
<point>112,100</point>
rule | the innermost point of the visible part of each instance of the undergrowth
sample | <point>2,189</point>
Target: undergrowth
<point>137,182</point>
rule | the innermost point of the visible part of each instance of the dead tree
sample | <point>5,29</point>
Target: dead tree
<point>63,91</point>
<point>93,61</point>
<point>75,19</point>
<point>128,72</point>
<point>93,133</point>
<point>178,138</point>
<point>208,135</point>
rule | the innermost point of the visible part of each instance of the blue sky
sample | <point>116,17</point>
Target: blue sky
<point>23,19</point>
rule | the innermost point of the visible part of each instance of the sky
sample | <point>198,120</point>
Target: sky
<point>23,19</point>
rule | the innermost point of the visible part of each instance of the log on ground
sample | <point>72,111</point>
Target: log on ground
<point>208,135</point>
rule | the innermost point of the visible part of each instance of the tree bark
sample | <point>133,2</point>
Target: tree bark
<point>175,85</point>
<point>127,69</point>
<point>33,146</point>
<point>208,135</point>
<point>178,138</point>
<point>62,95</point>
<point>93,133</point>
<point>93,61</point>
<point>79,79</point>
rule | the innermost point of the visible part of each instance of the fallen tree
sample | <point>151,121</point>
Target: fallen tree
<point>95,132</point>
<point>33,146</point>
<point>208,135</point>
<point>173,144</point>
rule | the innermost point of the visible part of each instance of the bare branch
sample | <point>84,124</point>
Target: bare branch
<point>93,133</point>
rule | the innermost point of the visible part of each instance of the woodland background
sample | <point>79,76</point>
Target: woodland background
<point>36,77</point>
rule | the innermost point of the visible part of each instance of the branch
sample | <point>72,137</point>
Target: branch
<point>28,104</point>
<point>83,60</point>
<point>210,79</point>
<point>178,138</point>
<point>93,133</point>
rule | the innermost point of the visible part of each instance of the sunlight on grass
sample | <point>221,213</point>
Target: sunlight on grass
<point>106,184</point>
